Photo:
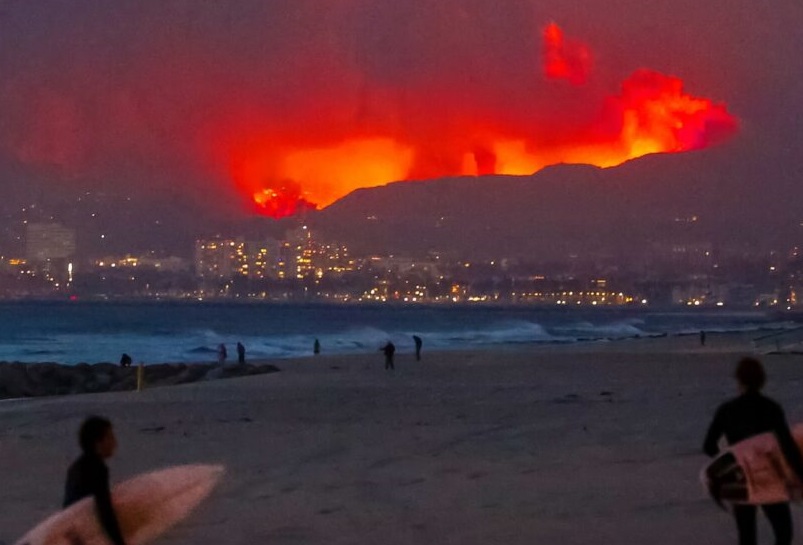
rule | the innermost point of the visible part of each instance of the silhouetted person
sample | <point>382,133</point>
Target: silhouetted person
<point>389,349</point>
<point>749,414</point>
<point>125,360</point>
<point>89,476</point>
<point>240,353</point>
<point>316,347</point>
<point>418,343</point>
<point>221,353</point>
<point>702,338</point>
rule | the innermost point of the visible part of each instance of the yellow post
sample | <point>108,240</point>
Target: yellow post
<point>140,376</point>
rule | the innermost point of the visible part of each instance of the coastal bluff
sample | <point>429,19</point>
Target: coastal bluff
<point>50,379</point>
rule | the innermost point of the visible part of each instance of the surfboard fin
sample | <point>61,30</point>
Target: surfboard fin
<point>714,492</point>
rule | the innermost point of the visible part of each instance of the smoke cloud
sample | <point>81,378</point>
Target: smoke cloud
<point>569,60</point>
<point>294,105</point>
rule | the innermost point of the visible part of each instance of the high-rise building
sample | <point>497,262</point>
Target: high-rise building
<point>285,261</point>
<point>263,257</point>
<point>225,259</point>
<point>333,258</point>
<point>302,249</point>
<point>303,255</point>
<point>45,242</point>
<point>220,259</point>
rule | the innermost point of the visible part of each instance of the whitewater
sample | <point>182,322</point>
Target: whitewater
<point>76,332</point>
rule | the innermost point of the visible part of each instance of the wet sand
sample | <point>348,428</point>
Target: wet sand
<point>559,445</point>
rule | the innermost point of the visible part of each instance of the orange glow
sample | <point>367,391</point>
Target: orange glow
<point>291,179</point>
<point>289,126</point>
<point>329,173</point>
<point>285,170</point>
<point>652,115</point>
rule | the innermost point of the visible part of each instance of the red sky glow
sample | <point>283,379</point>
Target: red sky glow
<point>287,120</point>
<point>650,113</point>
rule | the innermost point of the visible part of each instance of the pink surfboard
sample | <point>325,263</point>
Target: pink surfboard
<point>146,506</point>
<point>754,471</point>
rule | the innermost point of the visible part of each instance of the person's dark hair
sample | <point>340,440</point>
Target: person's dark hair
<point>93,430</point>
<point>750,374</point>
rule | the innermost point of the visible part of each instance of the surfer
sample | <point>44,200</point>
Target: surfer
<point>89,475</point>
<point>749,414</point>
<point>418,343</point>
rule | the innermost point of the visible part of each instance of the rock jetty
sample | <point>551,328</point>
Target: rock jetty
<point>48,379</point>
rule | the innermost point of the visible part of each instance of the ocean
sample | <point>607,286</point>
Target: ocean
<point>157,332</point>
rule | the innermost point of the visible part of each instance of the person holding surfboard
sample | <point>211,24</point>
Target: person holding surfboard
<point>748,415</point>
<point>89,475</point>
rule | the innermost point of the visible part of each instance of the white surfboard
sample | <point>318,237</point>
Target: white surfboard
<point>146,506</point>
<point>754,471</point>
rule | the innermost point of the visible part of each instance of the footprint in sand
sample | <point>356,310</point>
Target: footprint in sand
<point>155,429</point>
<point>329,511</point>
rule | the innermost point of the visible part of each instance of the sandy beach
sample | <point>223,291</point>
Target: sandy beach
<point>560,445</point>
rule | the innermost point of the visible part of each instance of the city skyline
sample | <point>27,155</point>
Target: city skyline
<point>307,266</point>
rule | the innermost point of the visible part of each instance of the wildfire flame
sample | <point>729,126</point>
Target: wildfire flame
<point>569,60</point>
<point>651,114</point>
<point>308,126</point>
<point>307,177</point>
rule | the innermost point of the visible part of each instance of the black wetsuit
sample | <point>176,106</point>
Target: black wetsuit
<point>745,416</point>
<point>89,476</point>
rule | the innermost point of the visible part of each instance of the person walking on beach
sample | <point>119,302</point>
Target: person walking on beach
<point>221,353</point>
<point>749,414</point>
<point>702,338</point>
<point>240,353</point>
<point>316,347</point>
<point>389,349</point>
<point>89,475</point>
<point>418,343</point>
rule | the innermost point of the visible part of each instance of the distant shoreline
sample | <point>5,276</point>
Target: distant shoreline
<point>625,342</point>
<point>502,305</point>
<point>19,380</point>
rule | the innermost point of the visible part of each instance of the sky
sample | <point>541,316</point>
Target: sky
<point>264,107</point>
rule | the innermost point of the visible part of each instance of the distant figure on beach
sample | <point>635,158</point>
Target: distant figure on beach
<point>89,475</point>
<point>125,360</point>
<point>702,338</point>
<point>749,414</point>
<point>389,349</point>
<point>240,353</point>
<point>316,347</point>
<point>221,353</point>
<point>418,343</point>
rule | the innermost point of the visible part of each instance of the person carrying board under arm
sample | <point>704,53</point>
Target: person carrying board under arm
<point>747,415</point>
<point>89,475</point>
